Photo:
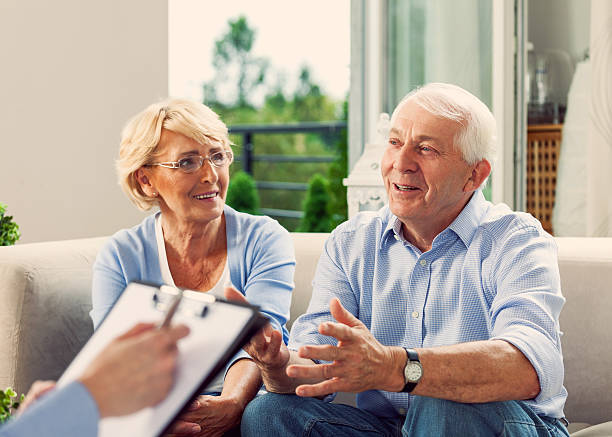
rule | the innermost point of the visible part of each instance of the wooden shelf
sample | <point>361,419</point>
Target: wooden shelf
<point>543,147</point>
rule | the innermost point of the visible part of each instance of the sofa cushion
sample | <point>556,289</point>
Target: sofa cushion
<point>586,282</point>
<point>45,290</point>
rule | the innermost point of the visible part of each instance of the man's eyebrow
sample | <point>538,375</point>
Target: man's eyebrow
<point>419,138</point>
<point>426,138</point>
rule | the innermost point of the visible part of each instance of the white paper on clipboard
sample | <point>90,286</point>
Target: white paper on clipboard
<point>213,340</point>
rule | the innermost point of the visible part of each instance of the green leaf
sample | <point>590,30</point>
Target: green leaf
<point>16,405</point>
<point>11,392</point>
<point>22,397</point>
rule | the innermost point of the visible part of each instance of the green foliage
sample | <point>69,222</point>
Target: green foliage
<point>317,217</point>
<point>242,193</point>
<point>9,230</point>
<point>337,172</point>
<point>307,102</point>
<point>235,64</point>
<point>9,403</point>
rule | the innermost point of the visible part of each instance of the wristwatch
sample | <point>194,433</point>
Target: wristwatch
<point>413,371</point>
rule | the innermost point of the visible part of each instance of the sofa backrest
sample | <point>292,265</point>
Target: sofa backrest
<point>44,313</point>
<point>585,265</point>
<point>45,301</point>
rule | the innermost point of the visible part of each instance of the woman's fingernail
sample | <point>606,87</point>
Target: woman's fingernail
<point>196,428</point>
<point>194,406</point>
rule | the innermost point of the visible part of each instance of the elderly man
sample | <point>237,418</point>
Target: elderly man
<point>441,310</point>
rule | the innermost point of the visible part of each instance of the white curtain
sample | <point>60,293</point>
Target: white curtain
<point>457,45</point>
<point>439,41</point>
<point>584,185</point>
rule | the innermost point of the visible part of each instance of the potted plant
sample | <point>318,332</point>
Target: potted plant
<point>9,403</point>
<point>9,230</point>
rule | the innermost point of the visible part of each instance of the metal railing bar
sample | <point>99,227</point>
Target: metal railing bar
<point>323,126</point>
<point>288,158</point>
<point>289,186</point>
<point>282,213</point>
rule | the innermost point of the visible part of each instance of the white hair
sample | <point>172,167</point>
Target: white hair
<point>477,137</point>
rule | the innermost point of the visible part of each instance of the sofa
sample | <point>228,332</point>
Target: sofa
<point>45,301</point>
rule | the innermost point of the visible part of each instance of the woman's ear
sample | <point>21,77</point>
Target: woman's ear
<point>480,171</point>
<point>145,183</point>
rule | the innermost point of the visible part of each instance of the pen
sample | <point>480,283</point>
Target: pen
<point>171,309</point>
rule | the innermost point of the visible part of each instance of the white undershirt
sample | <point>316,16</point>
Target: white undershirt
<point>217,290</point>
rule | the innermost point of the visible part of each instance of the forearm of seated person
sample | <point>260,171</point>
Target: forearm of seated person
<point>482,371</point>
<point>277,380</point>
<point>242,382</point>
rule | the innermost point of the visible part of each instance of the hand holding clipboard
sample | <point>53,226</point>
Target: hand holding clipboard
<point>129,364</point>
<point>218,331</point>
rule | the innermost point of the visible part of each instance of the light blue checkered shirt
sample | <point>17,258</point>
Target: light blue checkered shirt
<point>492,274</point>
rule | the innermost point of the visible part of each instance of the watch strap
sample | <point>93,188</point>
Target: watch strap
<point>412,355</point>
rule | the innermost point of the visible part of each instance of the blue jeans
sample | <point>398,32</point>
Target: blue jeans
<point>290,415</point>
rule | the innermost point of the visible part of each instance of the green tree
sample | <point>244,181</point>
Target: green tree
<point>307,102</point>
<point>242,193</point>
<point>234,63</point>
<point>9,230</point>
<point>317,217</point>
<point>336,174</point>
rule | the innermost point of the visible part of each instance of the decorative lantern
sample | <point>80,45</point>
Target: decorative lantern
<point>365,187</point>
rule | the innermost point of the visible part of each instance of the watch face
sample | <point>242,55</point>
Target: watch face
<point>413,372</point>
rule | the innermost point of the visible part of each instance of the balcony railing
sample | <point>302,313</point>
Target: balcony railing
<point>249,156</point>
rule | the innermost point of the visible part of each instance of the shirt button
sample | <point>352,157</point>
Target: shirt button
<point>415,314</point>
<point>402,411</point>
<point>423,262</point>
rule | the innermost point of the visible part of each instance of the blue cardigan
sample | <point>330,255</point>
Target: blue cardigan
<point>260,257</point>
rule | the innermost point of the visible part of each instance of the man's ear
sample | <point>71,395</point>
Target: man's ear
<point>480,171</point>
<point>145,182</point>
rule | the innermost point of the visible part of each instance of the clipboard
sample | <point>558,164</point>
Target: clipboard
<point>219,328</point>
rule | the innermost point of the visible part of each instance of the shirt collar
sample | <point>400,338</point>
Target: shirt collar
<point>464,225</point>
<point>393,228</point>
<point>470,217</point>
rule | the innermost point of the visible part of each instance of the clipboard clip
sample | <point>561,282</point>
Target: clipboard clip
<point>191,304</point>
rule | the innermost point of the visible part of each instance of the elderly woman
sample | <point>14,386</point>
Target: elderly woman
<point>176,155</point>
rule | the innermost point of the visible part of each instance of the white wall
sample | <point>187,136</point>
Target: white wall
<point>72,73</point>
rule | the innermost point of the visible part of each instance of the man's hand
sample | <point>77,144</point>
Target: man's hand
<point>136,370</point>
<point>358,363</point>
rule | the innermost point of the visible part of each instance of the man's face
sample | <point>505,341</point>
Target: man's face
<point>424,173</point>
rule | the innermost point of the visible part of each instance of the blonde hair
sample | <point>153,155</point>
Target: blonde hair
<point>141,134</point>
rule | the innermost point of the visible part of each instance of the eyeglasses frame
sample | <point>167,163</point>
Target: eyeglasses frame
<point>176,165</point>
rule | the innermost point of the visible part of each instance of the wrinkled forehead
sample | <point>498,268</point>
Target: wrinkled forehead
<point>411,122</point>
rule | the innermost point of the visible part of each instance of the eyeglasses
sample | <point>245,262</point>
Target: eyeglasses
<point>190,164</point>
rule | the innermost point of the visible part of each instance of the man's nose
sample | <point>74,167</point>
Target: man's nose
<point>405,161</point>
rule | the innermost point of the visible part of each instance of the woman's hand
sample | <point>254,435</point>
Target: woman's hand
<point>266,348</point>
<point>213,415</point>
<point>37,390</point>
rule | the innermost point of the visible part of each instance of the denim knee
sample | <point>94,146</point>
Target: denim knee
<point>267,412</point>
<point>429,416</point>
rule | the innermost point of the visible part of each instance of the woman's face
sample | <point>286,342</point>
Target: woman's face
<point>193,197</point>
